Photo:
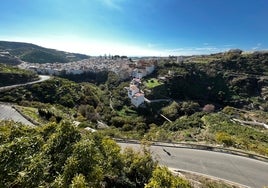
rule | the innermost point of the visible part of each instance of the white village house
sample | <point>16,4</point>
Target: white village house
<point>134,93</point>
<point>141,68</point>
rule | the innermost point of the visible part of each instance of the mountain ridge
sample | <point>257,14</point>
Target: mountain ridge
<point>14,52</point>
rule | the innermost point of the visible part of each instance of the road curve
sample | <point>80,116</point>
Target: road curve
<point>241,170</point>
<point>9,113</point>
<point>42,78</point>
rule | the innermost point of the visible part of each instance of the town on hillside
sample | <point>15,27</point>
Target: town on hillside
<point>122,66</point>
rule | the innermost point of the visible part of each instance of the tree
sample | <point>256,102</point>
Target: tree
<point>59,146</point>
<point>79,181</point>
<point>15,156</point>
<point>113,80</point>
<point>138,166</point>
<point>189,107</point>
<point>111,158</point>
<point>36,173</point>
<point>171,111</point>
<point>60,157</point>
<point>84,160</point>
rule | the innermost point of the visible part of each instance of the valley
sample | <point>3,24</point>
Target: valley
<point>216,100</point>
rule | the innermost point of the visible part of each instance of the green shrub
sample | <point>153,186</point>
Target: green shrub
<point>225,139</point>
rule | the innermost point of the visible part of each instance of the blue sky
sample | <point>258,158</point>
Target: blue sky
<point>137,27</point>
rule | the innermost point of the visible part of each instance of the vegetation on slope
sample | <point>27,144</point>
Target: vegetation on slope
<point>59,98</point>
<point>60,156</point>
<point>36,54</point>
<point>39,56</point>
<point>198,89</point>
<point>207,95</point>
<point>11,75</point>
<point>54,91</point>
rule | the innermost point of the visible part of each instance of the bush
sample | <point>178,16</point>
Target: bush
<point>186,122</point>
<point>225,139</point>
<point>171,111</point>
<point>162,177</point>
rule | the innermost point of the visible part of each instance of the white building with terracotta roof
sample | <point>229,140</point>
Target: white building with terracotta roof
<point>134,93</point>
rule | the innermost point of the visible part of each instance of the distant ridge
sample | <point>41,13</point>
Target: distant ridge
<point>14,52</point>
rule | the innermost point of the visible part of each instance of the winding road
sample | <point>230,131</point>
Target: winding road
<point>42,79</point>
<point>9,113</point>
<point>245,171</point>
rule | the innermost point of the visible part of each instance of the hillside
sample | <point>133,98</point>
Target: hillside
<point>13,52</point>
<point>213,99</point>
<point>10,75</point>
<point>59,156</point>
<point>225,79</point>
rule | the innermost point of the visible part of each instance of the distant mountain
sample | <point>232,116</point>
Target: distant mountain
<point>14,52</point>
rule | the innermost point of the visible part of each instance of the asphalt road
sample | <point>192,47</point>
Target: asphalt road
<point>42,79</point>
<point>8,113</point>
<point>242,170</point>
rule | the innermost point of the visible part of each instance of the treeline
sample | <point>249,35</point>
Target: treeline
<point>92,77</point>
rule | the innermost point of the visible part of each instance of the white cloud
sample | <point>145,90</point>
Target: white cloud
<point>257,46</point>
<point>196,50</point>
<point>113,4</point>
<point>205,48</point>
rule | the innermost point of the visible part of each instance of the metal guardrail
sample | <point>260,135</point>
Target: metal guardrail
<point>198,146</point>
<point>25,116</point>
<point>231,183</point>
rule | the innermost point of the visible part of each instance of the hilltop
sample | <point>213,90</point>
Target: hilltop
<point>14,53</point>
